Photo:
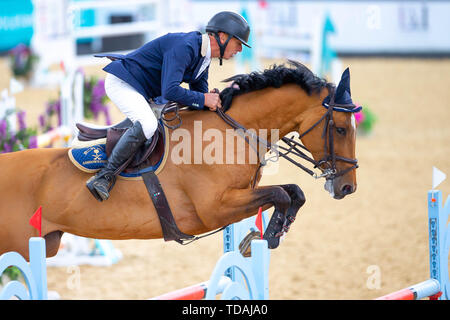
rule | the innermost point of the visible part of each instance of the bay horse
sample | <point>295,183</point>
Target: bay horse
<point>202,196</point>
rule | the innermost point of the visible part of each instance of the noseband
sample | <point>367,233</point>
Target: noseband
<point>328,163</point>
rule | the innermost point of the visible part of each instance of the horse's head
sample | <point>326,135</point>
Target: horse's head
<point>329,132</point>
<point>326,126</point>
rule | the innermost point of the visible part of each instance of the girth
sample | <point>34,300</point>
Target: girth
<point>169,227</point>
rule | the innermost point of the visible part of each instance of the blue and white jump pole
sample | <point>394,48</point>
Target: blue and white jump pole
<point>438,286</point>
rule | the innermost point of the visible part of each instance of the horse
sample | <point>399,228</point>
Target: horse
<point>203,195</point>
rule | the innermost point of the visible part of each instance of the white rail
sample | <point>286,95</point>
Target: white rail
<point>117,29</point>
<point>83,5</point>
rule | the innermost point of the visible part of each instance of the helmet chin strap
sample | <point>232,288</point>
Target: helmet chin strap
<point>221,46</point>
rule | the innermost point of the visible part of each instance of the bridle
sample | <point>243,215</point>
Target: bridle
<point>328,162</point>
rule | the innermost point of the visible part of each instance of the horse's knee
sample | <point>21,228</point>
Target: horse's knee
<point>281,199</point>
<point>296,194</point>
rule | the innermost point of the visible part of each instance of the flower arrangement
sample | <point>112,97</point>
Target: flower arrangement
<point>365,119</point>
<point>22,61</point>
<point>94,103</point>
<point>46,119</point>
<point>95,99</point>
<point>24,138</point>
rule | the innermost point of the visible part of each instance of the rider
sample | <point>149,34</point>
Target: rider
<point>155,71</point>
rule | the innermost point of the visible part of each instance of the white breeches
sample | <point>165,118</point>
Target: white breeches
<point>131,103</point>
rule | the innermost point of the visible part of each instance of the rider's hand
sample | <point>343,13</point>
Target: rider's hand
<point>212,101</point>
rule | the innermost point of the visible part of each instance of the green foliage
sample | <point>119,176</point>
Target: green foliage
<point>13,273</point>
<point>369,119</point>
<point>366,120</point>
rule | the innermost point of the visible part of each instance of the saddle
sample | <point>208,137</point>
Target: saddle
<point>145,163</point>
<point>148,156</point>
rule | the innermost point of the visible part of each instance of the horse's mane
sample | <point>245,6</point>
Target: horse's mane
<point>275,76</point>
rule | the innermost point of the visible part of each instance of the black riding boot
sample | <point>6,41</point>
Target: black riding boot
<point>101,184</point>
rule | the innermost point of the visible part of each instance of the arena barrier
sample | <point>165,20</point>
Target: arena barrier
<point>246,278</point>
<point>34,273</point>
<point>234,276</point>
<point>438,286</point>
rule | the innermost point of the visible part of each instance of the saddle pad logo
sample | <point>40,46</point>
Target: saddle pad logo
<point>90,158</point>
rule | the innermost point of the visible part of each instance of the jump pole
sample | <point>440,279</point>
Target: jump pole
<point>233,276</point>
<point>438,286</point>
<point>429,288</point>
<point>195,292</point>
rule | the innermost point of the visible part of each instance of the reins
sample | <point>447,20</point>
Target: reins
<point>330,158</point>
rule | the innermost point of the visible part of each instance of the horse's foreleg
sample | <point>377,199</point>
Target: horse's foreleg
<point>238,204</point>
<point>280,224</point>
<point>297,201</point>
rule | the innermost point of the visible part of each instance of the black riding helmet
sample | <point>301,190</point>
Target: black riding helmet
<point>231,23</point>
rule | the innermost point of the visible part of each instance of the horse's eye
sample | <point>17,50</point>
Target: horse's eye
<point>341,131</point>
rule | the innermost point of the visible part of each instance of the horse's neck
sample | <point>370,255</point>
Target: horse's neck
<point>279,109</point>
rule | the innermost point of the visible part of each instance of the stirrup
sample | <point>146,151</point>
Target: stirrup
<point>92,189</point>
<point>107,176</point>
<point>110,177</point>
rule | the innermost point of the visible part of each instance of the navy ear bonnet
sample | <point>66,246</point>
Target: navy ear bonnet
<point>342,98</point>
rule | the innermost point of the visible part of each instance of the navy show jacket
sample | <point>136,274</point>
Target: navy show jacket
<point>159,67</point>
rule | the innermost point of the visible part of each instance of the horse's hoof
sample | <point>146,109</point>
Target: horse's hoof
<point>272,241</point>
<point>245,247</point>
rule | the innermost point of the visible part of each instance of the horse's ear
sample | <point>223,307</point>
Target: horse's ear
<point>343,93</point>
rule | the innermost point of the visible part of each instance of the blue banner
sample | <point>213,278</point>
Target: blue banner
<point>16,23</point>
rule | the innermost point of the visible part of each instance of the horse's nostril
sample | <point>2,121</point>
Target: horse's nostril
<point>347,189</point>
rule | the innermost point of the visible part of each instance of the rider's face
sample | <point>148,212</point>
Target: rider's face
<point>233,47</point>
